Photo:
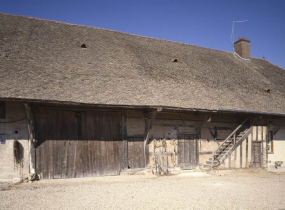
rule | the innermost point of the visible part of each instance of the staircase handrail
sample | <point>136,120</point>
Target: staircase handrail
<point>249,131</point>
<point>214,151</point>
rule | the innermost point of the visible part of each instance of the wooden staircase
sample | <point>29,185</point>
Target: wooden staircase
<point>228,146</point>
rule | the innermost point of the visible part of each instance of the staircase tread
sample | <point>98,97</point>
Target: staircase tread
<point>225,149</point>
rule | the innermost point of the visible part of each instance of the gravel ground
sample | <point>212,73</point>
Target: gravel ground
<point>192,190</point>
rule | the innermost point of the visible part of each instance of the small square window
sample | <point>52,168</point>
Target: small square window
<point>2,110</point>
<point>3,139</point>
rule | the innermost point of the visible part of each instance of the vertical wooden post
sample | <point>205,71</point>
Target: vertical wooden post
<point>235,159</point>
<point>246,153</point>
<point>148,135</point>
<point>146,148</point>
<point>230,161</point>
<point>32,153</point>
<point>265,150</point>
<point>240,155</point>
<point>125,162</point>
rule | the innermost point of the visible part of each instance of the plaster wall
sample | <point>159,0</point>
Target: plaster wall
<point>177,126</point>
<point>279,152</point>
<point>14,131</point>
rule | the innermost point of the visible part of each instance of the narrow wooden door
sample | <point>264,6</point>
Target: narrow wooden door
<point>187,152</point>
<point>136,153</point>
<point>256,154</point>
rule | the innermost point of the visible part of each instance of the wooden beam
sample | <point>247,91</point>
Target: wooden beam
<point>230,161</point>
<point>31,130</point>
<point>124,160</point>
<point>246,153</point>
<point>148,132</point>
<point>150,127</point>
<point>240,155</point>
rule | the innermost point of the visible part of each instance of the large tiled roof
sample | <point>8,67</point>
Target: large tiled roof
<point>43,60</point>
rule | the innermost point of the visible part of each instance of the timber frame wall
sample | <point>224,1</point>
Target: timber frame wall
<point>208,130</point>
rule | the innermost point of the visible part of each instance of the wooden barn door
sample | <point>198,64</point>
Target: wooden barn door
<point>187,152</point>
<point>73,144</point>
<point>256,154</point>
<point>136,153</point>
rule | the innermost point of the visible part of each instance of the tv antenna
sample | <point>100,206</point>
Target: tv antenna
<point>233,29</point>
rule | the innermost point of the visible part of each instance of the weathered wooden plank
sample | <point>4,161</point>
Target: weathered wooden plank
<point>137,153</point>
<point>235,159</point>
<point>65,143</point>
<point>130,153</point>
<point>103,158</point>
<point>238,157</point>
<point>256,155</point>
<point>69,137</point>
<point>37,140</point>
<point>125,154</point>
<point>181,151</point>
<point>244,153</point>
<point>117,160</point>
<point>44,148</point>
<point>62,144</point>
<point>230,161</point>
<point>49,136</point>
<point>264,149</point>
<point>85,155</point>
<point>117,136</point>
<point>112,158</point>
<point>186,151</point>
<point>250,137</point>
<point>75,144</point>
<point>146,156</point>
<point>99,127</point>
<point>44,174</point>
<point>142,154</point>
<point>94,134</point>
<point>72,150</point>
<point>59,126</point>
<point>124,149</point>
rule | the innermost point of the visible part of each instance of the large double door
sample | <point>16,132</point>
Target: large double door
<point>73,144</point>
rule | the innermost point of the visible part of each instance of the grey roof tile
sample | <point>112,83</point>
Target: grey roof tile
<point>43,60</point>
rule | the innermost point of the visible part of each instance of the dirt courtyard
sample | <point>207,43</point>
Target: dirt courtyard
<point>188,190</point>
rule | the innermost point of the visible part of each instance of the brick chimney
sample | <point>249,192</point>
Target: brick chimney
<point>242,47</point>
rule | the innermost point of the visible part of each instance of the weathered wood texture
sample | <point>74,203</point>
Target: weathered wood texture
<point>256,154</point>
<point>187,152</point>
<point>136,157</point>
<point>77,144</point>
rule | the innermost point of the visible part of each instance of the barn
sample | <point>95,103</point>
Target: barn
<point>79,101</point>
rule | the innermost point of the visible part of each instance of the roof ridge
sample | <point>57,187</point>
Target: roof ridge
<point>268,62</point>
<point>116,31</point>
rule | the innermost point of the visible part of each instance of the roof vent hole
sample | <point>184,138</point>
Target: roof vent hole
<point>83,46</point>
<point>268,90</point>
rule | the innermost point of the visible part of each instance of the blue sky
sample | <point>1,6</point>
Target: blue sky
<point>201,23</point>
